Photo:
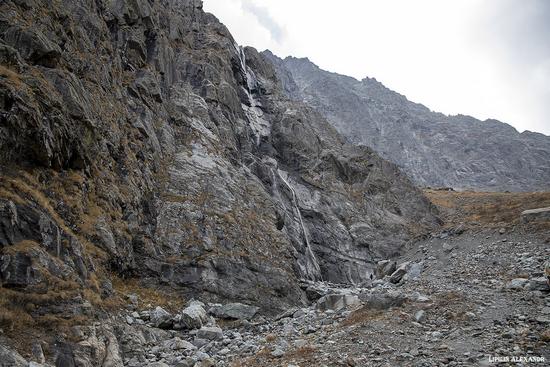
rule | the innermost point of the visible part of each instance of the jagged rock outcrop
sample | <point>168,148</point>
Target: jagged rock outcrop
<point>139,142</point>
<point>433,149</point>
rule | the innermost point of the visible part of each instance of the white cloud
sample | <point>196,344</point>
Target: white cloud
<point>482,58</point>
<point>265,19</point>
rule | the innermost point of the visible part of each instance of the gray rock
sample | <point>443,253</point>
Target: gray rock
<point>538,284</point>
<point>234,311</point>
<point>383,301</point>
<point>161,318</point>
<point>420,316</point>
<point>414,272</point>
<point>200,342</point>
<point>178,344</point>
<point>336,302</point>
<point>277,353</point>
<point>10,358</point>
<point>385,267</point>
<point>193,316</point>
<point>517,284</point>
<point>210,333</point>
<point>399,273</point>
<point>540,214</point>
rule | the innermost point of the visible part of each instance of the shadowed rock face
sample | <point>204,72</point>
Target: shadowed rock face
<point>433,149</point>
<point>137,139</point>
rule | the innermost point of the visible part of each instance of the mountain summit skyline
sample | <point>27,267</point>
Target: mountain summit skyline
<point>434,149</point>
<point>486,59</point>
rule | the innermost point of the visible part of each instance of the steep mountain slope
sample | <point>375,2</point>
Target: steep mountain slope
<point>139,143</point>
<point>433,149</point>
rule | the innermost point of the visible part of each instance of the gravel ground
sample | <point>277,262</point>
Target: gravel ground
<point>479,298</point>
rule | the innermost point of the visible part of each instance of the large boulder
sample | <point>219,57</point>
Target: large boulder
<point>238,311</point>
<point>400,272</point>
<point>385,267</point>
<point>193,316</point>
<point>210,333</point>
<point>538,284</point>
<point>517,284</point>
<point>16,270</point>
<point>161,318</point>
<point>11,358</point>
<point>337,302</point>
<point>539,214</point>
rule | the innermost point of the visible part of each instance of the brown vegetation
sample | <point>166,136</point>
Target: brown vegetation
<point>166,298</point>
<point>488,209</point>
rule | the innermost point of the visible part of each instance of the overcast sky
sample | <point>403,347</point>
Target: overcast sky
<point>485,58</point>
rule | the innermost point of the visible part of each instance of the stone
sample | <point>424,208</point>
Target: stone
<point>160,318</point>
<point>413,272</point>
<point>210,333</point>
<point>538,284</point>
<point>16,270</point>
<point>193,316</point>
<point>11,358</point>
<point>399,273</point>
<point>420,316</point>
<point>237,311</point>
<point>336,302</point>
<point>517,284</point>
<point>178,344</point>
<point>385,267</point>
<point>278,353</point>
<point>532,215</point>
<point>200,342</point>
<point>447,247</point>
<point>383,301</point>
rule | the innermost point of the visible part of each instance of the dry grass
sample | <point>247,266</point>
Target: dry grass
<point>24,246</point>
<point>363,316</point>
<point>11,76</point>
<point>489,209</point>
<point>147,296</point>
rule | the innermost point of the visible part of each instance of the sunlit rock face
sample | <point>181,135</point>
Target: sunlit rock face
<point>137,140</point>
<point>433,149</point>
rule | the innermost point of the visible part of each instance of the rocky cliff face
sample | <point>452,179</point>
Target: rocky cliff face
<point>433,149</point>
<point>138,142</point>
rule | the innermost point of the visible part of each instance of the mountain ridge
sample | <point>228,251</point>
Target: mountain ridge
<point>433,148</point>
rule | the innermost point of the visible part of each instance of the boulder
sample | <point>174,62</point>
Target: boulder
<point>11,358</point>
<point>336,302</point>
<point>420,316</point>
<point>16,270</point>
<point>210,333</point>
<point>385,267</point>
<point>192,317</point>
<point>399,273</point>
<point>383,301</point>
<point>238,311</point>
<point>413,272</point>
<point>178,344</point>
<point>517,284</point>
<point>540,214</point>
<point>538,284</point>
<point>161,318</point>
